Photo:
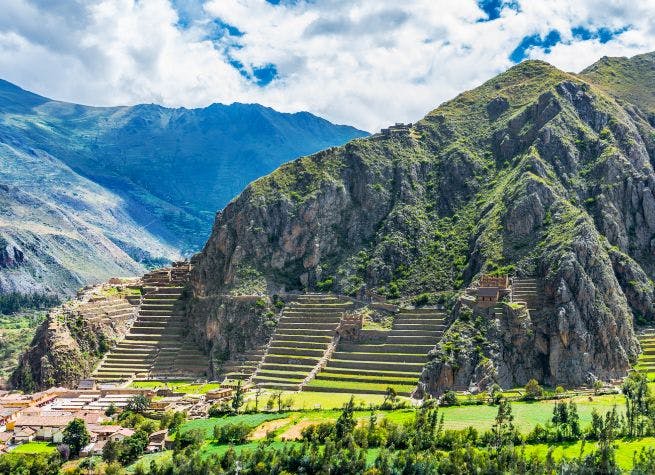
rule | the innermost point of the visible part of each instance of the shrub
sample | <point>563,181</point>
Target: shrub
<point>533,390</point>
<point>449,399</point>
<point>231,433</point>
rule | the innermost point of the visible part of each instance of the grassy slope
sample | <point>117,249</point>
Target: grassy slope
<point>628,79</point>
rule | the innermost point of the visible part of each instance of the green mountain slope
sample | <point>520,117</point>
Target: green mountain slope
<point>627,79</point>
<point>535,173</point>
<point>147,178</point>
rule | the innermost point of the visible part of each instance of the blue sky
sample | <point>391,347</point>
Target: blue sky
<point>367,63</point>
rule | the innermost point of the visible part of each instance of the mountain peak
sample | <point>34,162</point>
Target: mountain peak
<point>13,98</point>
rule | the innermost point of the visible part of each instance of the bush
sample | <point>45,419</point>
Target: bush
<point>533,390</point>
<point>190,438</point>
<point>318,432</point>
<point>450,399</point>
<point>231,433</point>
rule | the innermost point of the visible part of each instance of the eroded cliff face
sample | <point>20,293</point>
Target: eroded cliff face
<point>535,173</point>
<point>226,326</point>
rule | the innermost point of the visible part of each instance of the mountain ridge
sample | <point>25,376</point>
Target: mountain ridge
<point>165,171</point>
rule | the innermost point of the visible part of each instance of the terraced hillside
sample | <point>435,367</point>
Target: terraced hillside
<point>528,290</point>
<point>305,331</point>
<point>647,358</point>
<point>242,367</point>
<point>155,346</point>
<point>395,361</point>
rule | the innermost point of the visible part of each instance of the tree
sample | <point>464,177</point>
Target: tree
<point>503,430</point>
<point>139,404</point>
<point>495,394</point>
<point>449,398</point>
<point>533,390</point>
<point>76,436</point>
<point>111,451</point>
<point>237,398</point>
<point>258,393</point>
<point>346,421</point>
<point>132,447</point>
<point>638,403</point>
<point>111,410</point>
<point>390,397</point>
<point>88,464</point>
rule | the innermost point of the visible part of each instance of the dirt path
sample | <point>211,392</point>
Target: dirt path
<point>262,429</point>
<point>294,433</point>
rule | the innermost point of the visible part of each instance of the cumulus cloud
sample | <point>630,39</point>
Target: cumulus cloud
<point>367,63</point>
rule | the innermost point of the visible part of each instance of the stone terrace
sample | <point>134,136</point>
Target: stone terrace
<point>156,346</point>
<point>647,358</point>
<point>306,330</point>
<point>394,361</point>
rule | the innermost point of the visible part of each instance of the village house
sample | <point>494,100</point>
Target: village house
<point>5,439</point>
<point>221,394</point>
<point>48,427</point>
<point>157,441</point>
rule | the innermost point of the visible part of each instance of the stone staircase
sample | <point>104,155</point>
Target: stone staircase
<point>303,335</point>
<point>155,347</point>
<point>529,291</point>
<point>395,361</point>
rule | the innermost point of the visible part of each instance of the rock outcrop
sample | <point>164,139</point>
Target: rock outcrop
<point>73,338</point>
<point>536,173</point>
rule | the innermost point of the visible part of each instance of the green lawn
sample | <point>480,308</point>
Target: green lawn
<point>35,448</point>
<point>625,450</point>
<point>210,448</point>
<point>526,414</point>
<point>315,400</point>
<point>178,386</point>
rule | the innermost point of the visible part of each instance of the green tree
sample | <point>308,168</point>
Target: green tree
<point>111,410</point>
<point>237,398</point>
<point>138,404</point>
<point>346,421</point>
<point>76,436</point>
<point>638,403</point>
<point>111,451</point>
<point>533,390</point>
<point>503,431</point>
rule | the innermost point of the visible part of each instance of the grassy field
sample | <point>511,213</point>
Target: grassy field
<point>625,450</point>
<point>178,386</point>
<point>252,420</point>
<point>309,400</point>
<point>35,448</point>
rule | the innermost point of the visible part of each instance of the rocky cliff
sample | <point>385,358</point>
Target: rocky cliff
<point>536,173</point>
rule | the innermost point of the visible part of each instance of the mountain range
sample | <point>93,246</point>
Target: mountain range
<point>538,173</point>
<point>87,193</point>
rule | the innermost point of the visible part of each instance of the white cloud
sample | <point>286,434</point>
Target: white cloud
<point>367,63</point>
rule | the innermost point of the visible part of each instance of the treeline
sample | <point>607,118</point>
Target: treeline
<point>16,301</point>
<point>423,446</point>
